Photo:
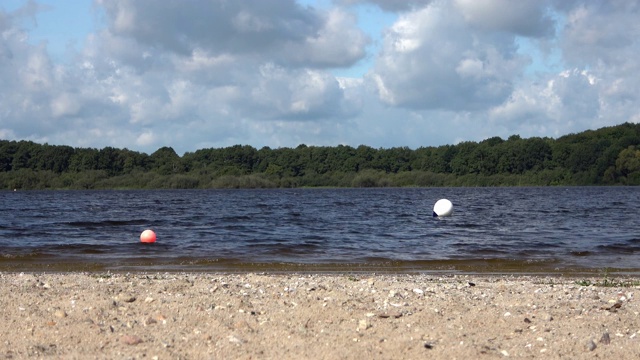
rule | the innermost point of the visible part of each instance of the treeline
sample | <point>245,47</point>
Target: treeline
<point>608,156</point>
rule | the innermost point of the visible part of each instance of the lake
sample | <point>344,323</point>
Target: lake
<point>563,230</point>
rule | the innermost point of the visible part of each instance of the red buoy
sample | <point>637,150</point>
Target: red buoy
<point>148,236</point>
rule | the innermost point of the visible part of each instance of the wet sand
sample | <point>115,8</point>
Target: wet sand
<point>313,316</point>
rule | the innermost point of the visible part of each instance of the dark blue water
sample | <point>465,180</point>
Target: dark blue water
<point>492,229</point>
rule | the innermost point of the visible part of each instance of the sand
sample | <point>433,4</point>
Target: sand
<point>312,316</point>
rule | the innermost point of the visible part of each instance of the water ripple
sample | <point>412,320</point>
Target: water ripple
<point>562,228</point>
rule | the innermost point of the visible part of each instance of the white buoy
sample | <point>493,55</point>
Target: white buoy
<point>443,207</point>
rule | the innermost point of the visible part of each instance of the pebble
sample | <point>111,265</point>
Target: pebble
<point>363,324</point>
<point>131,339</point>
<point>591,345</point>
<point>127,298</point>
<point>234,339</point>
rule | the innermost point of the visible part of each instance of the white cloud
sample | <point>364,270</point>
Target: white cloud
<point>295,95</point>
<point>280,30</point>
<point>390,5</point>
<point>523,17</point>
<point>216,73</point>
<point>64,104</point>
<point>145,139</point>
<point>420,68</point>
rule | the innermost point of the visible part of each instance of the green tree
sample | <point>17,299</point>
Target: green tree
<point>628,164</point>
<point>54,158</point>
<point>464,161</point>
<point>7,152</point>
<point>165,161</point>
<point>109,160</point>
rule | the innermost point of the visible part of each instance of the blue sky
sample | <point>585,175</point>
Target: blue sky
<point>208,73</point>
<point>60,24</point>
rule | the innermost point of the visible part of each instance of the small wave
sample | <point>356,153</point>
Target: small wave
<point>288,250</point>
<point>620,248</point>
<point>315,239</point>
<point>488,251</point>
<point>236,218</point>
<point>581,253</point>
<point>469,225</point>
<point>78,249</point>
<point>23,256</point>
<point>344,203</point>
<point>106,223</point>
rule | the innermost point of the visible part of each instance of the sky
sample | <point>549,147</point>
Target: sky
<point>144,74</point>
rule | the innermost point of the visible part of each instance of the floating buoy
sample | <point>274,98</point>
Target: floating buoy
<point>148,236</point>
<point>443,207</point>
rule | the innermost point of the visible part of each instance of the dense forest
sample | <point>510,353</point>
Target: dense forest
<point>607,156</point>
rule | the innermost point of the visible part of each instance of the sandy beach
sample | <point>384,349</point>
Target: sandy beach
<point>311,316</point>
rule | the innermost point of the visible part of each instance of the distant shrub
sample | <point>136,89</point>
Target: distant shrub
<point>242,182</point>
<point>182,182</point>
<point>371,178</point>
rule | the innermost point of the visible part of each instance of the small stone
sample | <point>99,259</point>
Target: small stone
<point>165,344</point>
<point>131,339</point>
<point>418,291</point>
<point>363,324</point>
<point>244,326</point>
<point>60,314</point>
<point>591,345</point>
<point>605,339</point>
<point>386,315</point>
<point>161,319</point>
<point>148,299</point>
<point>234,339</point>
<point>128,298</point>
<point>527,320</point>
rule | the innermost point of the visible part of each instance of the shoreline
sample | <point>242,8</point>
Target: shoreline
<point>317,316</point>
<point>482,267</point>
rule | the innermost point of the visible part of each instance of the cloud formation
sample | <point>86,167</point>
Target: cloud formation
<point>214,73</point>
<point>420,68</point>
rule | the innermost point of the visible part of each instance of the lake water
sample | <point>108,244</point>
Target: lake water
<point>494,230</point>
